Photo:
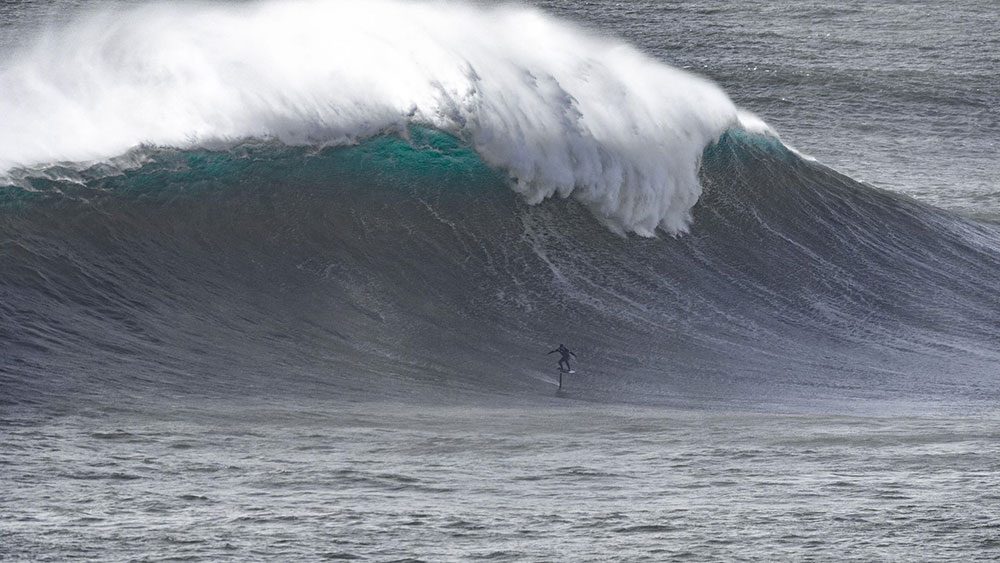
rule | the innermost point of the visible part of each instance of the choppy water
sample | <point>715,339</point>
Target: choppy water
<point>582,483</point>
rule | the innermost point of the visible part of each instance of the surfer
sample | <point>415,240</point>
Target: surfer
<point>565,353</point>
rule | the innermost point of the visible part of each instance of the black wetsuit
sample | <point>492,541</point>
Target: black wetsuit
<point>564,359</point>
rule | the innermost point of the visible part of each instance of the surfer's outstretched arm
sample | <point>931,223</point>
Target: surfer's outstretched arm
<point>553,352</point>
<point>574,355</point>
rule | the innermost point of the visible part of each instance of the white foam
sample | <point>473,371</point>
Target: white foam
<point>563,112</point>
<point>751,123</point>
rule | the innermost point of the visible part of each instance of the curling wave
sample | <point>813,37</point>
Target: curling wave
<point>560,111</point>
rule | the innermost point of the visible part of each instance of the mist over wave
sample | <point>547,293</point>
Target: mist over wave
<point>560,111</point>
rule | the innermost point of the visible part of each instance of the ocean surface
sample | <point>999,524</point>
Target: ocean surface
<point>572,483</point>
<point>278,281</point>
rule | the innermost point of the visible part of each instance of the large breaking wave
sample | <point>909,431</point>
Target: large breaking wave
<point>560,111</point>
<point>326,209</point>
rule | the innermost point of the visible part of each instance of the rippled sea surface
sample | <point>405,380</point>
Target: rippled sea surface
<point>386,482</point>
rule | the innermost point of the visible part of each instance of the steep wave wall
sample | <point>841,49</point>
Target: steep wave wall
<point>406,268</point>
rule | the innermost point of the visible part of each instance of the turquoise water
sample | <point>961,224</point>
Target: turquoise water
<point>420,156</point>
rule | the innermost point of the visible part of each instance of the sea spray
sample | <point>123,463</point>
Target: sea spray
<point>559,111</point>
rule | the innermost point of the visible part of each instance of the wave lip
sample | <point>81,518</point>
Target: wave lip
<point>562,112</point>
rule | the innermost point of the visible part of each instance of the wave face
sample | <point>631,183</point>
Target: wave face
<point>560,111</point>
<point>405,267</point>
<point>315,198</point>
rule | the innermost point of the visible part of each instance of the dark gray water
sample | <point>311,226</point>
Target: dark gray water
<point>586,483</point>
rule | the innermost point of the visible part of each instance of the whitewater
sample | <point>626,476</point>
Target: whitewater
<point>562,112</point>
<point>278,281</point>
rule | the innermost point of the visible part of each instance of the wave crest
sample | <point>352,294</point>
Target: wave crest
<point>562,112</point>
